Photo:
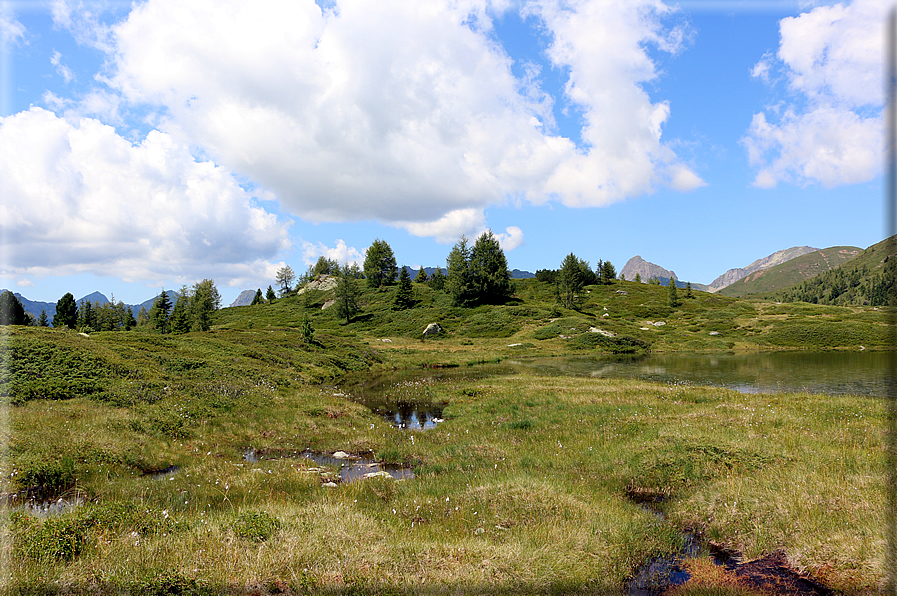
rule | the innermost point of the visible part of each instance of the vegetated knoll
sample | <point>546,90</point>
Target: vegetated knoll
<point>791,272</point>
<point>621,317</point>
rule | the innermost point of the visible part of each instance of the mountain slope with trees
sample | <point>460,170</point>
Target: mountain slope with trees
<point>779,277</point>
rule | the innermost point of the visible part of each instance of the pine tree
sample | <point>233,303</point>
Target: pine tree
<point>270,296</point>
<point>258,299</point>
<point>66,312</point>
<point>673,296</point>
<point>437,280</point>
<point>179,319</point>
<point>457,278</point>
<point>489,273</point>
<point>421,277</point>
<point>142,317</point>
<point>380,264</point>
<point>638,278</point>
<point>308,332</point>
<point>43,321</point>
<point>130,321</point>
<point>159,313</point>
<point>608,273</point>
<point>11,310</point>
<point>688,292</point>
<point>405,292</point>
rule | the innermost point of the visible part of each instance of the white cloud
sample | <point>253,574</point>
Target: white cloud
<point>25,283</point>
<point>406,113</point>
<point>78,197</point>
<point>341,253</point>
<point>11,30</point>
<point>831,58</point>
<point>511,238</point>
<point>64,71</point>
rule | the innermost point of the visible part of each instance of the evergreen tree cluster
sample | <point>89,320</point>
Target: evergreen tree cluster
<point>191,312</point>
<point>479,274</point>
<point>848,286</point>
<point>93,316</point>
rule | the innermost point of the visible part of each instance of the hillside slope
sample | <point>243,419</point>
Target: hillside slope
<point>776,258</point>
<point>792,272</point>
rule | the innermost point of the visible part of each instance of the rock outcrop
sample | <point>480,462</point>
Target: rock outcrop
<point>777,258</point>
<point>645,270</point>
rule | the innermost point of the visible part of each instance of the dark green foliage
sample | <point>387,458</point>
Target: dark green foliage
<point>171,584</point>
<point>489,272</point>
<point>549,276</point>
<point>270,296</point>
<point>158,315</point>
<point>66,312</point>
<point>404,293</point>
<point>608,272</point>
<point>46,478</point>
<point>573,276</point>
<point>421,277</point>
<point>672,294</point>
<point>256,526</point>
<point>347,293</point>
<point>33,369</point>
<point>620,344</point>
<point>478,275</point>
<point>848,285</point>
<point>204,301</point>
<point>42,320</point>
<point>180,315</point>
<point>258,298</point>
<point>688,291</point>
<point>325,266</point>
<point>380,264</point>
<point>11,310</point>
<point>457,278</point>
<point>308,332</point>
<point>437,281</point>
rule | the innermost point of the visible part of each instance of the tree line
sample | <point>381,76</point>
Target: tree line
<point>843,287</point>
<point>192,311</point>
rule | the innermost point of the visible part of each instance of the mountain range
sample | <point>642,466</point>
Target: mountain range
<point>771,273</point>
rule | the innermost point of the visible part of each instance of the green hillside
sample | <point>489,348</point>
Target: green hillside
<point>869,279</point>
<point>792,272</point>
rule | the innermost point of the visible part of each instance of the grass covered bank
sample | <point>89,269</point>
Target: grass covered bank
<point>524,487</point>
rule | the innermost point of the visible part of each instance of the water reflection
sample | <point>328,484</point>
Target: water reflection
<point>351,468</point>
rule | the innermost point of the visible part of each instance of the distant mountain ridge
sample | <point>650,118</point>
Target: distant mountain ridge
<point>792,271</point>
<point>34,307</point>
<point>646,270</point>
<point>777,258</point>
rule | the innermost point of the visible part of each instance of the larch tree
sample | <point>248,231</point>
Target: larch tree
<point>66,312</point>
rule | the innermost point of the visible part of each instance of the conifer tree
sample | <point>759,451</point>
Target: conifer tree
<point>380,264</point>
<point>204,301</point>
<point>421,277</point>
<point>66,312</point>
<point>258,299</point>
<point>347,292</point>
<point>270,296</point>
<point>130,321</point>
<point>437,280</point>
<point>159,313</point>
<point>673,296</point>
<point>457,278</point>
<point>11,310</point>
<point>608,272</point>
<point>405,292</point>
<point>285,278</point>
<point>489,273</point>
<point>571,279</point>
<point>43,321</point>
<point>688,292</point>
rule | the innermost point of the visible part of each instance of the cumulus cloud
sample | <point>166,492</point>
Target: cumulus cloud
<point>511,238</point>
<point>341,253</point>
<point>830,131</point>
<point>78,197</point>
<point>405,113</point>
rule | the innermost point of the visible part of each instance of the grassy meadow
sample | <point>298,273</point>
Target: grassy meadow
<point>527,487</point>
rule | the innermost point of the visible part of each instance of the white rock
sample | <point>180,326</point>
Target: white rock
<point>644,329</point>
<point>601,331</point>
<point>605,315</point>
<point>514,345</point>
<point>341,455</point>
<point>660,323</point>
<point>380,474</point>
<point>322,283</point>
<point>330,485</point>
<point>714,333</point>
<point>386,341</point>
<point>432,329</point>
<point>328,304</point>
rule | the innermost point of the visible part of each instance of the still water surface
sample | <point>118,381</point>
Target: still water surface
<point>406,399</point>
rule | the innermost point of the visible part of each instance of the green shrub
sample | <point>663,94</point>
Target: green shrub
<point>257,526</point>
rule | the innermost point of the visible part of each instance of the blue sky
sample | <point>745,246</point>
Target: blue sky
<point>157,144</point>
